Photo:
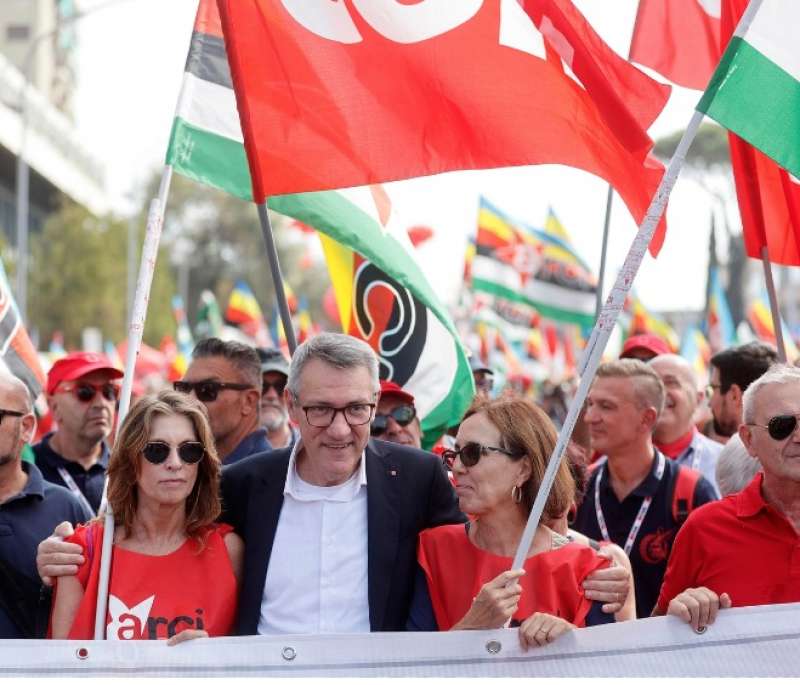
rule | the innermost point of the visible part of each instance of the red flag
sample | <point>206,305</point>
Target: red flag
<point>680,39</point>
<point>349,94</point>
<point>769,197</point>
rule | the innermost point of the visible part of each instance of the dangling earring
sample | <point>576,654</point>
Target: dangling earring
<point>516,494</point>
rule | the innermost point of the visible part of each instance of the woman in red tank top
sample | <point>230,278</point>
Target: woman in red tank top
<point>174,571</point>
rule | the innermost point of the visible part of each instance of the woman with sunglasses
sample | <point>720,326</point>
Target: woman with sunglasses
<point>501,454</point>
<point>175,571</point>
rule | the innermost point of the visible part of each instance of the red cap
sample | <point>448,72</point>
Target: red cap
<point>645,341</point>
<point>77,364</point>
<point>391,389</point>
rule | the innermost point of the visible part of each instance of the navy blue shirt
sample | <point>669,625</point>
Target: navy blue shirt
<point>653,543</point>
<point>25,520</point>
<point>90,482</point>
<point>251,444</point>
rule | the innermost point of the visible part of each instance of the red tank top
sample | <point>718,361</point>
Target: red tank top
<point>456,569</point>
<point>155,597</point>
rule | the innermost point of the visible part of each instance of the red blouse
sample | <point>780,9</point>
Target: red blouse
<point>155,597</point>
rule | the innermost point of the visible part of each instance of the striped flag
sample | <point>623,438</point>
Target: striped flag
<point>531,267</point>
<point>244,312</point>
<point>643,321</point>
<point>696,350</point>
<point>719,324</point>
<point>759,316</point>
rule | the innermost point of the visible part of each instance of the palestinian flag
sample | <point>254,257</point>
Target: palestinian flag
<point>755,91</point>
<point>531,267</point>
<point>16,348</point>
<point>385,299</point>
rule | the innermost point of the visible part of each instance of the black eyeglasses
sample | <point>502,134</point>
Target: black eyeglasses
<point>471,453</point>
<point>207,391</point>
<point>354,414</point>
<point>156,452</point>
<point>85,391</point>
<point>9,412</point>
<point>403,415</point>
<point>279,386</point>
<point>779,427</point>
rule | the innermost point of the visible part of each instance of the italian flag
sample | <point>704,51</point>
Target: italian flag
<point>755,91</point>
<point>206,144</point>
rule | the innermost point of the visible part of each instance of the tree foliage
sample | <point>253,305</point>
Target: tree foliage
<point>709,151</point>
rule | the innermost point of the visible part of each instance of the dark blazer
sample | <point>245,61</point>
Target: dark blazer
<point>407,491</point>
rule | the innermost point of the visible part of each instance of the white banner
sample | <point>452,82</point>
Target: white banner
<point>751,641</point>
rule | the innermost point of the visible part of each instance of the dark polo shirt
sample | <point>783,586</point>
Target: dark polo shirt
<point>653,544</point>
<point>25,520</point>
<point>90,482</point>
<point>254,443</point>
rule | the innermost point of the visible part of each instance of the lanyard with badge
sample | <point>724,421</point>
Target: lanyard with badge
<point>73,486</point>
<point>637,522</point>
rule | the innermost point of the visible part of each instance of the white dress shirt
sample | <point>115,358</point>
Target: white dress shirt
<point>317,574</point>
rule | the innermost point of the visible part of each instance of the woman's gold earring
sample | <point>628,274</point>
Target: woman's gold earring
<point>516,494</point>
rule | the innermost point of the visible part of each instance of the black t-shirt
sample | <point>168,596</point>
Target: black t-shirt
<point>653,543</point>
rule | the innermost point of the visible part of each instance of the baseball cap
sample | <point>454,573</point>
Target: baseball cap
<point>645,341</point>
<point>77,364</point>
<point>476,364</point>
<point>273,360</point>
<point>391,389</point>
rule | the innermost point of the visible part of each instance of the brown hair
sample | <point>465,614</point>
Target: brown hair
<point>203,503</point>
<point>527,431</point>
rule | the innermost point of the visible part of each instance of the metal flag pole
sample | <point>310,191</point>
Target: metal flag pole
<point>603,327</point>
<point>277,277</point>
<point>603,253</point>
<point>155,222</point>
<point>773,305</point>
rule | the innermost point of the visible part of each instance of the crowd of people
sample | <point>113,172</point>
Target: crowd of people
<point>262,495</point>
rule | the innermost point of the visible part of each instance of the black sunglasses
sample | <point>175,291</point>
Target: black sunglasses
<point>780,427</point>
<point>9,412</point>
<point>156,452</point>
<point>85,391</point>
<point>403,414</point>
<point>279,386</point>
<point>471,453</point>
<point>207,391</point>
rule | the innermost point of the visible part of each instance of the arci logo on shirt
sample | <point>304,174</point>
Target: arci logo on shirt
<point>135,623</point>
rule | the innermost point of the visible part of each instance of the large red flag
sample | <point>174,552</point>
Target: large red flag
<point>769,197</point>
<point>366,91</point>
<point>679,39</point>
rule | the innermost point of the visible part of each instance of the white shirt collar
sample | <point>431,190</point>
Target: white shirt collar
<point>299,489</point>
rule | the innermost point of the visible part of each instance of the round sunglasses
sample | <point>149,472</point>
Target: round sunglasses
<point>471,453</point>
<point>779,427</point>
<point>403,415</point>
<point>190,452</point>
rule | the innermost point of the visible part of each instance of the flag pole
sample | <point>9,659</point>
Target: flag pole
<point>147,265</point>
<point>773,305</point>
<point>604,250</point>
<point>603,327</point>
<point>277,277</point>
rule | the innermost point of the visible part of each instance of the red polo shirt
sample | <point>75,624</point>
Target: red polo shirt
<point>740,545</point>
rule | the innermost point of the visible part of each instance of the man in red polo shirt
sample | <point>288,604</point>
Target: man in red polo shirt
<point>745,549</point>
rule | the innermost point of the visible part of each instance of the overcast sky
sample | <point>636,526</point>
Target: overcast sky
<point>130,65</point>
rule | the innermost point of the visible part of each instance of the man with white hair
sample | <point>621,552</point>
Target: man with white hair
<point>743,550</point>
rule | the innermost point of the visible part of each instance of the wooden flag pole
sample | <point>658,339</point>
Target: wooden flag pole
<point>773,305</point>
<point>277,277</point>
<point>603,327</point>
<point>603,253</point>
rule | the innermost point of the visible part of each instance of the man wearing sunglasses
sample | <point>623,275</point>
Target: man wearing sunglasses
<point>274,415</point>
<point>82,392</point>
<point>396,417</point>
<point>225,375</point>
<point>743,550</point>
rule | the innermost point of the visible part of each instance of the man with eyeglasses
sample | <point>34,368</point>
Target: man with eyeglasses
<point>82,392</point>
<point>274,415</point>
<point>732,372</point>
<point>745,549</point>
<point>396,417</point>
<point>29,509</point>
<point>225,375</point>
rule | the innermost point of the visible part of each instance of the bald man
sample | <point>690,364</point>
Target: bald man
<point>29,509</point>
<point>675,434</point>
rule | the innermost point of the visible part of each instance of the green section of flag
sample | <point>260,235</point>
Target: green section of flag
<point>757,100</point>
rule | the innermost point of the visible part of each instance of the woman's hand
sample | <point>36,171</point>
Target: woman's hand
<point>540,629</point>
<point>185,636</point>
<point>496,602</point>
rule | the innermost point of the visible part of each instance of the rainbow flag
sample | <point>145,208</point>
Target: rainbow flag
<point>759,316</point>
<point>528,266</point>
<point>696,350</point>
<point>643,321</point>
<point>184,340</point>
<point>244,312</point>
<point>719,324</point>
